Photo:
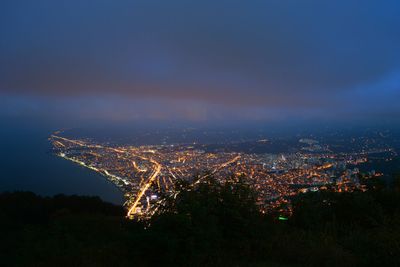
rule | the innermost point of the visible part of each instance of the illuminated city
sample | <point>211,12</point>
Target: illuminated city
<point>143,172</point>
<point>203,133</point>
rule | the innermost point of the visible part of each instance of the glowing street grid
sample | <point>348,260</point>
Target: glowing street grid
<point>143,172</point>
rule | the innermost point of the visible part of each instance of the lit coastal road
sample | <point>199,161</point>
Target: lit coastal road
<point>76,142</point>
<point>227,163</point>
<point>220,167</point>
<point>132,209</point>
<point>157,169</point>
<point>79,143</point>
<point>128,154</point>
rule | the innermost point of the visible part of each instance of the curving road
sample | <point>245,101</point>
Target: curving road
<point>157,169</point>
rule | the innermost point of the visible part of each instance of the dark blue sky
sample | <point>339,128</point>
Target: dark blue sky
<point>200,60</point>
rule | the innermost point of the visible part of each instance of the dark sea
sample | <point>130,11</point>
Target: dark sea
<point>26,163</point>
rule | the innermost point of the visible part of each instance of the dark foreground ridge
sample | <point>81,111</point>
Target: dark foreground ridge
<point>211,225</point>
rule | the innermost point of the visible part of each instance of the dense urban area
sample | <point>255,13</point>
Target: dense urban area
<point>145,172</point>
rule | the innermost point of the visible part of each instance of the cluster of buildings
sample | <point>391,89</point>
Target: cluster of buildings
<point>142,172</point>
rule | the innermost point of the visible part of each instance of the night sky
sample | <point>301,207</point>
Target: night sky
<point>200,61</point>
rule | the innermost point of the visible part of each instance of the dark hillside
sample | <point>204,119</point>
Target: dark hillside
<point>212,225</point>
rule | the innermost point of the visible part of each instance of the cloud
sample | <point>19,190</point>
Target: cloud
<point>224,54</point>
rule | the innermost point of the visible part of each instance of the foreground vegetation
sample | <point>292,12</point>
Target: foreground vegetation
<point>212,225</point>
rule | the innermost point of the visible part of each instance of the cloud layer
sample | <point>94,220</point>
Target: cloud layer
<point>203,59</point>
